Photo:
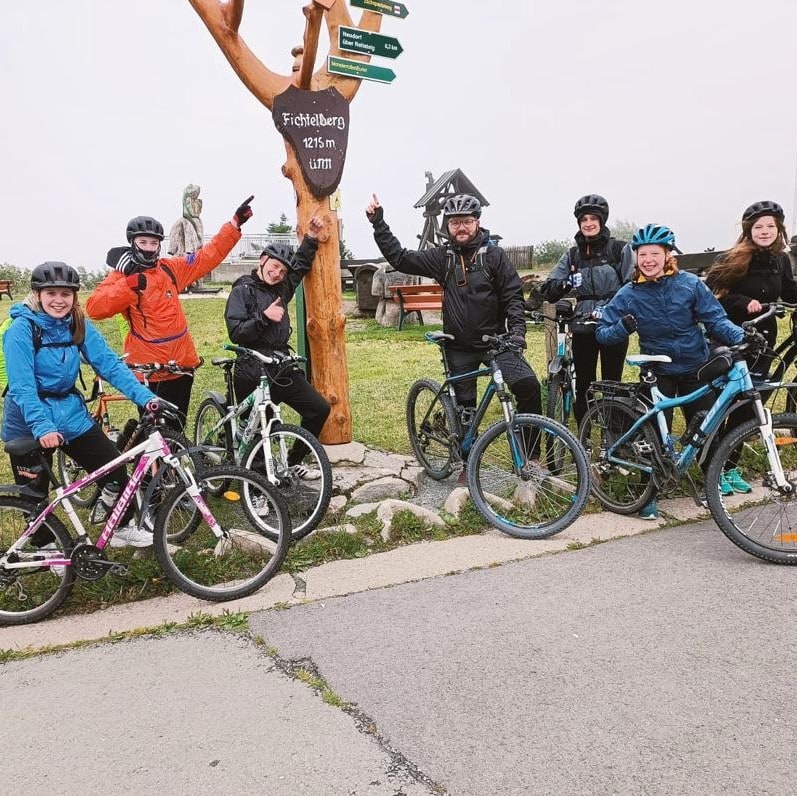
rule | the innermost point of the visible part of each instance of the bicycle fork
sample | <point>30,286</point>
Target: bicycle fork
<point>767,435</point>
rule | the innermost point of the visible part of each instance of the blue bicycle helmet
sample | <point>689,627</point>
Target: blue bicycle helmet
<point>653,234</point>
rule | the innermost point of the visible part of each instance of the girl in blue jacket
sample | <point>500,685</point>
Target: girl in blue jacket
<point>42,349</point>
<point>665,307</point>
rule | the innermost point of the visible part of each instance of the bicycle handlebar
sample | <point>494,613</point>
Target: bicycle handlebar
<point>275,358</point>
<point>147,369</point>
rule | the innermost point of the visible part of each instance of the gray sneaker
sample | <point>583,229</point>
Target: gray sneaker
<point>131,536</point>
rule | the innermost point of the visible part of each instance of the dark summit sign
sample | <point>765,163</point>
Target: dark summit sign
<point>316,124</point>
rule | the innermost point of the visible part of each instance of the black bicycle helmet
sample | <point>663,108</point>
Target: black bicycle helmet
<point>766,208</point>
<point>54,274</point>
<point>594,204</point>
<point>462,204</point>
<point>279,251</point>
<point>144,225</point>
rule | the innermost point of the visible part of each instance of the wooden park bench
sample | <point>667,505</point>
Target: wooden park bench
<point>5,287</point>
<point>416,298</point>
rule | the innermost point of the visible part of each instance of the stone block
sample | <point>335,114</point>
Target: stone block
<point>380,489</point>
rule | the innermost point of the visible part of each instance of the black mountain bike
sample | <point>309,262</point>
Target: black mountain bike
<point>511,473</point>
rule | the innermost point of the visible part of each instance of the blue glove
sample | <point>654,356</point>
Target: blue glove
<point>575,279</point>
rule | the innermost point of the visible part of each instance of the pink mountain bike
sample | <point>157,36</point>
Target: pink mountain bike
<point>213,543</point>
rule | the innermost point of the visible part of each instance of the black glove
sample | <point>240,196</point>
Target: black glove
<point>629,322</point>
<point>518,341</point>
<point>120,259</point>
<point>244,212</point>
<point>377,216</point>
<point>565,286</point>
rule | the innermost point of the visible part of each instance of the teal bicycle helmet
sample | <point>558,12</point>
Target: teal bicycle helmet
<point>653,234</point>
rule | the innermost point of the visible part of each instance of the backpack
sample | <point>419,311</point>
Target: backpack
<point>612,255</point>
<point>37,345</point>
<point>478,263</point>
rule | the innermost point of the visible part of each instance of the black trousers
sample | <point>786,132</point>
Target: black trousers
<point>586,351</point>
<point>178,392</point>
<point>90,450</point>
<point>518,374</point>
<point>292,388</point>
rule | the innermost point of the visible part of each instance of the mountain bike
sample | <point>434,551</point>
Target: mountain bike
<point>69,470</point>
<point>562,369</point>
<point>784,357</point>
<point>224,550</point>
<point>507,480</point>
<point>290,456</point>
<point>633,455</point>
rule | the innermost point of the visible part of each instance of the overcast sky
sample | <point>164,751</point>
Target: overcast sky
<point>680,112</point>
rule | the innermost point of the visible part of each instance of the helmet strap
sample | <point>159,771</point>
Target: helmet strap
<point>145,259</point>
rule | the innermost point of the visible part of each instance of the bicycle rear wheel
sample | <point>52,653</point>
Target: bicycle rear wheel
<point>30,594</point>
<point>250,512</point>
<point>432,428</point>
<point>513,491</point>
<point>557,409</point>
<point>764,523</point>
<point>212,435</point>
<point>620,488</point>
<point>307,485</point>
<point>70,471</point>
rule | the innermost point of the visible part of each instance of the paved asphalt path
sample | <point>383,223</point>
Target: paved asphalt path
<point>657,664</point>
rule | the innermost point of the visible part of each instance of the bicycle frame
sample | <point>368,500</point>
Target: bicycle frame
<point>563,361</point>
<point>736,382</point>
<point>151,450</point>
<point>470,426</point>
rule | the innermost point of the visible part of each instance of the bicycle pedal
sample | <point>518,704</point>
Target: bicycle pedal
<point>119,570</point>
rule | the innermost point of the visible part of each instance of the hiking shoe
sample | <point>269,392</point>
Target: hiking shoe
<point>60,569</point>
<point>651,511</point>
<point>306,473</point>
<point>734,479</point>
<point>131,536</point>
<point>725,485</point>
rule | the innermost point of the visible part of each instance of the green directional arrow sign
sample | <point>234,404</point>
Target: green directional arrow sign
<point>382,7</point>
<point>363,41</point>
<point>343,66</point>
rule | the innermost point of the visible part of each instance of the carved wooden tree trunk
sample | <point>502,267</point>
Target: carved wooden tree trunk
<point>325,319</point>
<point>326,322</point>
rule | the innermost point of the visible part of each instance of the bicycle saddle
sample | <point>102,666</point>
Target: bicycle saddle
<point>22,446</point>
<point>641,359</point>
<point>222,362</point>
<point>438,337</point>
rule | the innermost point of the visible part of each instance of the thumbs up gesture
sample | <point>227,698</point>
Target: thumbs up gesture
<point>275,311</point>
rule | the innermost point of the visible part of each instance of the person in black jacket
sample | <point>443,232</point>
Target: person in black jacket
<point>593,271</point>
<point>257,317</point>
<point>482,295</point>
<point>755,272</point>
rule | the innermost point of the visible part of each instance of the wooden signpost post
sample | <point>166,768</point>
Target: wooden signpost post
<point>311,111</point>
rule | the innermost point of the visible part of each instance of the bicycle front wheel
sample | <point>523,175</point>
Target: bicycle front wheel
<point>431,426</point>
<point>250,513</point>
<point>305,485</point>
<point>621,488</point>
<point>557,409</point>
<point>32,593</point>
<point>764,522</point>
<point>514,491</point>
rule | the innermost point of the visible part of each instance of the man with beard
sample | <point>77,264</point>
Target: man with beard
<point>482,295</point>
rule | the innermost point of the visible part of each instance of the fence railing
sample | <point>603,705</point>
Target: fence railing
<point>520,256</point>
